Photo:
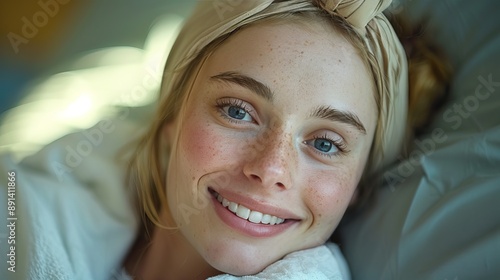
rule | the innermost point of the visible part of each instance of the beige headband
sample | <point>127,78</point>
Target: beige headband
<point>212,19</point>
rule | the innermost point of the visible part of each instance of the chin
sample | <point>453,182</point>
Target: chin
<point>240,268</point>
<point>240,260</point>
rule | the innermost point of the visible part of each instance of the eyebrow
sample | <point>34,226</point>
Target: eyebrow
<point>329,113</point>
<point>322,112</point>
<point>246,82</point>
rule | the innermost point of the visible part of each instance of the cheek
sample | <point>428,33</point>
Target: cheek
<point>195,153</point>
<point>203,147</point>
<point>328,196</point>
<point>198,144</point>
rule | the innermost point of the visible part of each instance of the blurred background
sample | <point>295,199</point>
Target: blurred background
<point>62,62</point>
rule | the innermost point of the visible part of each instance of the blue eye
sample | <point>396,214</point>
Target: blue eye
<point>323,145</point>
<point>236,112</point>
<point>327,146</point>
<point>235,109</point>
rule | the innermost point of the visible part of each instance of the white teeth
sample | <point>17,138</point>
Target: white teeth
<point>233,207</point>
<point>243,212</point>
<point>255,217</point>
<point>266,219</point>
<point>247,214</point>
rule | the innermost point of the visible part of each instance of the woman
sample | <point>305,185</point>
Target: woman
<point>271,113</point>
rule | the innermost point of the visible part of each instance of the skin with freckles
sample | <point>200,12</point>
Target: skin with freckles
<point>280,118</point>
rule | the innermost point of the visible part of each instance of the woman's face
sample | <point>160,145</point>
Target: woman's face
<point>269,147</point>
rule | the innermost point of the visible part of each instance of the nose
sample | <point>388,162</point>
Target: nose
<point>271,159</point>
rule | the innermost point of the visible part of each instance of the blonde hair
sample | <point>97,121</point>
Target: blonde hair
<point>148,166</point>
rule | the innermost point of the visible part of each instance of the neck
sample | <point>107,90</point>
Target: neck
<point>168,255</point>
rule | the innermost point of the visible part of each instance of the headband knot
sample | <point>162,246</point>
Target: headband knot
<point>357,12</point>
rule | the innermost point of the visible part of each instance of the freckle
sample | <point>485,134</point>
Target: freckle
<point>340,61</point>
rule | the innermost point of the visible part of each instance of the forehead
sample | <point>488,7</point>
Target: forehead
<point>298,61</point>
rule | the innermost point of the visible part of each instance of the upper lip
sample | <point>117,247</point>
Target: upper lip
<point>255,205</point>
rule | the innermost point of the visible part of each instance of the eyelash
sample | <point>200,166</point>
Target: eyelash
<point>339,145</point>
<point>224,102</point>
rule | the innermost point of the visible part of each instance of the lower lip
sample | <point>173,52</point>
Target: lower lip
<point>246,227</point>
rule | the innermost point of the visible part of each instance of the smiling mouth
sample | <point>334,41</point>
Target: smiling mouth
<point>252,216</point>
